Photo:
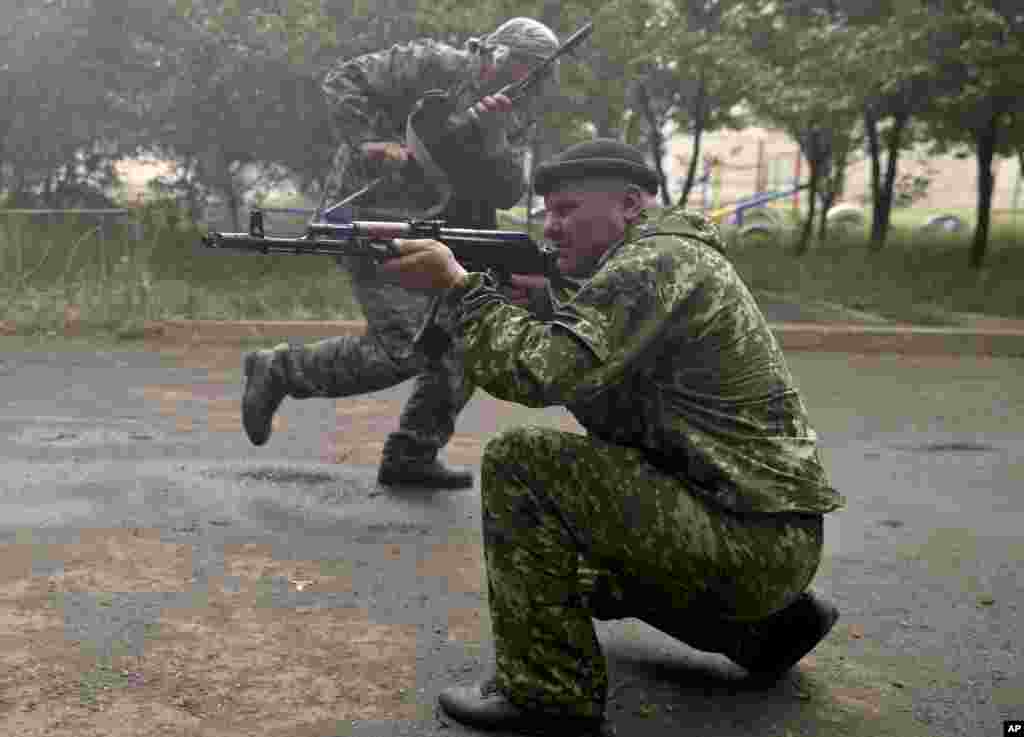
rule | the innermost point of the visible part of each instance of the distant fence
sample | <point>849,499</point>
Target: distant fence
<point>103,218</point>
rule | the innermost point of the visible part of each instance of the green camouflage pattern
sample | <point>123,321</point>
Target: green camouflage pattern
<point>695,500</point>
<point>575,528</point>
<point>663,349</point>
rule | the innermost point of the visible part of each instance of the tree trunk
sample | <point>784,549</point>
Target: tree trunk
<point>655,139</point>
<point>882,189</point>
<point>234,205</point>
<point>827,200</point>
<point>216,166</point>
<point>874,151</point>
<point>64,187</point>
<point>804,244</point>
<point>604,126</point>
<point>812,147</point>
<point>893,143</point>
<point>698,131</point>
<point>192,193</point>
<point>835,154</point>
<point>986,139</point>
<point>18,196</point>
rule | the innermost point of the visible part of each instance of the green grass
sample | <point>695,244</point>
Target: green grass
<point>914,278</point>
<point>116,284</point>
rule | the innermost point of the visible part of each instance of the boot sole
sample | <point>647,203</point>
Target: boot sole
<point>525,723</point>
<point>398,478</point>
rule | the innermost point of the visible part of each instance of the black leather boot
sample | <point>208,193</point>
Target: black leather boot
<point>264,391</point>
<point>432,474</point>
<point>483,706</point>
<point>770,647</point>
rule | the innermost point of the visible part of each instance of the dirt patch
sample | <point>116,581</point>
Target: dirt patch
<point>459,563</point>
<point>232,663</point>
<point>222,414</point>
<point>362,427</point>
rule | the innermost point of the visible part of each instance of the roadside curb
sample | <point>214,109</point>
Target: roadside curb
<point>899,339</point>
<point>824,337</point>
<point>229,331</point>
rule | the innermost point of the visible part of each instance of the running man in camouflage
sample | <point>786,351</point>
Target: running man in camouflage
<point>695,501</point>
<point>371,99</point>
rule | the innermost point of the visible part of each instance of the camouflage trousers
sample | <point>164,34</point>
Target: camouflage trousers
<point>384,357</point>
<point>575,529</point>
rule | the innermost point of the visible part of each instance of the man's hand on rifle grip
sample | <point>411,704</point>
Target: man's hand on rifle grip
<point>389,153</point>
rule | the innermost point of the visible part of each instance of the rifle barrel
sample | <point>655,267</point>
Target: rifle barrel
<point>516,90</point>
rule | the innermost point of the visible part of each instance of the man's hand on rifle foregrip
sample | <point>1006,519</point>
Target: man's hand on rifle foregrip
<point>424,264</point>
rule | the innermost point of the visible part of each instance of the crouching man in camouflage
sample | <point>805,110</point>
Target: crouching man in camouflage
<point>461,179</point>
<point>694,502</point>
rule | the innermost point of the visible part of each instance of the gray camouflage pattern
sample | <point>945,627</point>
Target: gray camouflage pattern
<point>370,98</point>
<point>345,366</point>
<point>694,502</point>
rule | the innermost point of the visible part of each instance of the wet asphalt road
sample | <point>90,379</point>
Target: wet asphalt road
<point>924,563</point>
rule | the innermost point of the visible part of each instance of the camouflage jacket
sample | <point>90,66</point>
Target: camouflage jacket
<point>370,99</point>
<point>664,349</point>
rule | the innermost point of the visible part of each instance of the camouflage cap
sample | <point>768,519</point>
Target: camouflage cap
<point>601,157</point>
<point>524,36</point>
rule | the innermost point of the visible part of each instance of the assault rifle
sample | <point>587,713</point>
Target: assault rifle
<point>500,251</point>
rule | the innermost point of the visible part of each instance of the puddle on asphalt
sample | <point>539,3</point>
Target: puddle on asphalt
<point>91,436</point>
<point>272,475</point>
<point>949,447</point>
<point>402,528</point>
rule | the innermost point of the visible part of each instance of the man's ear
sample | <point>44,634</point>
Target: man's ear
<point>632,203</point>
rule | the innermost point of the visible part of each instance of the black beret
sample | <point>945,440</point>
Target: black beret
<point>596,158</point>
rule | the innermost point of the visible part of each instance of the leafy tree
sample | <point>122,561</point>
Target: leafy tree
<point>898,71</point>
<point>236,103</point>
<point>692,68</point>
<point>795,58</point>
<point>68,83</point>
<point>983,57</point>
